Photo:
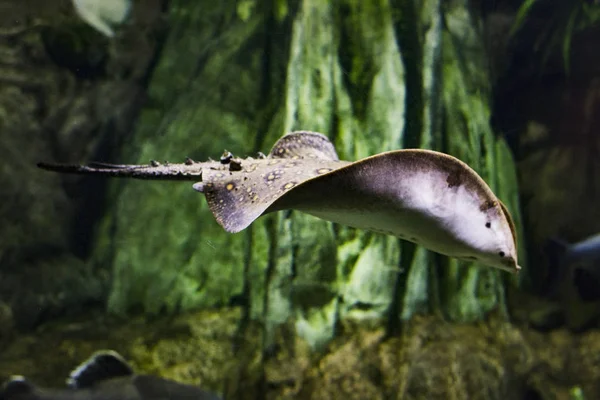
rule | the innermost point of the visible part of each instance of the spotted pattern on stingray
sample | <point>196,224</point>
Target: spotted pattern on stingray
<point>251,167</point>
<point>274,175</point>
<point>236,199</point>
<point>303,144</point>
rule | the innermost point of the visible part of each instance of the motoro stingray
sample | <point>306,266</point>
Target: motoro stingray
<point>423,196</point>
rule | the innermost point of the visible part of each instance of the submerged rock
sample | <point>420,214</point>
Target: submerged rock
<point>430,359</point>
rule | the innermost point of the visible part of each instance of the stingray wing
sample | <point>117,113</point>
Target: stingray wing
<point>372,176</point>
<point>237,198</point>
<point>373,173</point>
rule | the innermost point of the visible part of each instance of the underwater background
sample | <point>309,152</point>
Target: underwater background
<point>295,307</point>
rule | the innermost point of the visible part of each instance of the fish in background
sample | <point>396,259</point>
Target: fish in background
<point>105,376</point>
<point>577,264</point>
<point>103,14</point>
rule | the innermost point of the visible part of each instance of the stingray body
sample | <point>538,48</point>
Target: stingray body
<point>422,196</point>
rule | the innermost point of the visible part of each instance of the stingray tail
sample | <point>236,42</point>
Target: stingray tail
<point>151,172</point>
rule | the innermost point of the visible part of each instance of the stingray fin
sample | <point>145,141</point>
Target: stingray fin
<point>237,199</point>
<point>510,220</point>
<point>304,144</point>
<point>102,365</point>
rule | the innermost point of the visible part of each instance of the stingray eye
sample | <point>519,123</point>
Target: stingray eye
<point>501,254</point>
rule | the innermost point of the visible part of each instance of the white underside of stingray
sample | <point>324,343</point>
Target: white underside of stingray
<point>428,215</point>
<point>422,196</point>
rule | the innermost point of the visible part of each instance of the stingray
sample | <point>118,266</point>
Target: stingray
<point>423,196</point>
